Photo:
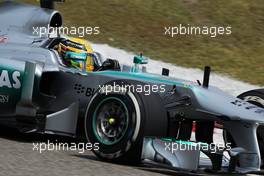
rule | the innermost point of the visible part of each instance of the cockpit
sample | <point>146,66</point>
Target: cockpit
<point>79,55</point>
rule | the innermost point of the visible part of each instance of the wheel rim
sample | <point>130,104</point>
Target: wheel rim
<point>110,120</point>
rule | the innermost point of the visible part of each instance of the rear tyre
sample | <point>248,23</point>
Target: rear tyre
<point>255,97</point>
<point>118,122</point>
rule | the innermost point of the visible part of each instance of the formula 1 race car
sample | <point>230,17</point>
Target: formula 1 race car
<point>133,115</point>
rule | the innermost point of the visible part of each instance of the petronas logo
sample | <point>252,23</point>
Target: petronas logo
<point>10,80</point>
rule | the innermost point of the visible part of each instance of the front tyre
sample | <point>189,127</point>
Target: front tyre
<point>118,122</point>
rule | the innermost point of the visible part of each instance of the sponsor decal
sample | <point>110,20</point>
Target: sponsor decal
<point>247,106</point>
<point>10,80</point>
<point>4,98</point>
<point>87,91</point>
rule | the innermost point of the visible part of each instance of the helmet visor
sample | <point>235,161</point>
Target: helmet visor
<point>79,60</point>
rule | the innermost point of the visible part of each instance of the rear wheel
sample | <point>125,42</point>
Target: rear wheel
<point>255,97</point>
<point>118,122</point>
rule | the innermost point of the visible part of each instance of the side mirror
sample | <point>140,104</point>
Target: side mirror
<point>140,60</point>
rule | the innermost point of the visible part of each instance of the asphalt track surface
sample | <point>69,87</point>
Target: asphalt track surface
<point>17,158</point>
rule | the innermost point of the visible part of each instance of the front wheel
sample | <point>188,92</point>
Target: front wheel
<point>118,122</point>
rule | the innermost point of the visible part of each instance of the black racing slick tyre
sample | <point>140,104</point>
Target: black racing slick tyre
<point>255,97</point>
<point>118,121</point>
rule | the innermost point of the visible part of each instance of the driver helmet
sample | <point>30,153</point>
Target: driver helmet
<point>77,53</point>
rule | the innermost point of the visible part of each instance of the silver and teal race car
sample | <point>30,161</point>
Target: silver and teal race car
<point>133,115</point>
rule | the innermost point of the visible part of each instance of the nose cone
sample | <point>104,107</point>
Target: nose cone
<point>216,101</point>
